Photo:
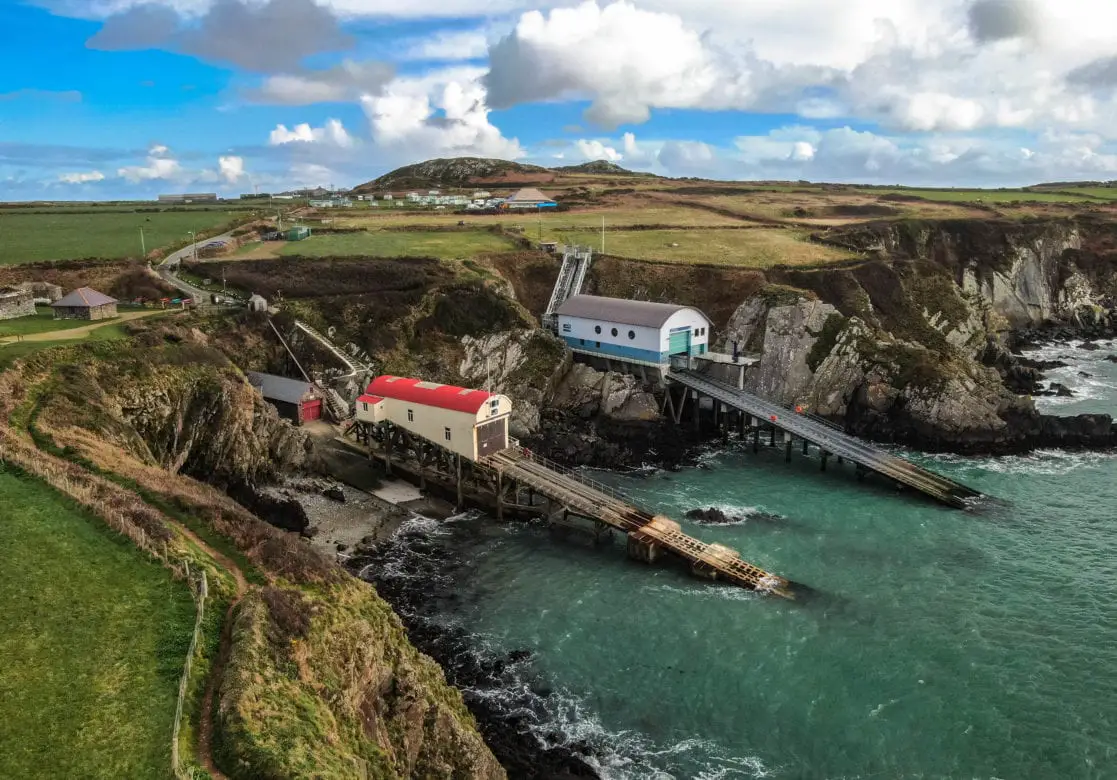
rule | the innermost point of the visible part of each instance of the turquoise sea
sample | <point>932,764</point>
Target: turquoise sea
<point>936,643</point>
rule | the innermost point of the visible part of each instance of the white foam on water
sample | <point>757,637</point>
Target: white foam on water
<point>1039,462</point>
<point>708,591</point>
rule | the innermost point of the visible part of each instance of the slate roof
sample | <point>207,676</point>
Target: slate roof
<point>83,298</point>
<point>528,195</point>
<point>280,388</point>
<point>621,310</point>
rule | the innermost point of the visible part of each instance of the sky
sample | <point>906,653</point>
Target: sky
<point>108,99</point>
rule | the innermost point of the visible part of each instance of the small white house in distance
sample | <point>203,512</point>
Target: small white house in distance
<point>638,332</point>
<point>471,423</point>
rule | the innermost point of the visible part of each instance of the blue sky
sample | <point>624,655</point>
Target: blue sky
<point>128,98</point>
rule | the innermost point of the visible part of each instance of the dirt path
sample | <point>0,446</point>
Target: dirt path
<point>205,721</point>
<point>81,331</point>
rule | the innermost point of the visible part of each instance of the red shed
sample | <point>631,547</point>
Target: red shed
<point>295,399</point>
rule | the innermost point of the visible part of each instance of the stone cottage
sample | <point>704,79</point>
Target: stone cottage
<point>15,303</point>
<point>84,303</point>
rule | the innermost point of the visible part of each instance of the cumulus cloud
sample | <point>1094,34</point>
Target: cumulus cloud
<point>267,37</point>
<point>345,82</point>
<point>595,150</point>
<point>81,177</point>
<point>230,168</point>
<point>160,165</point>
<point>995,20</point>
<point>333,132</point>
<point>444,112</point>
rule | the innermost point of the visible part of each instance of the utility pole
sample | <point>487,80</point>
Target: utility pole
<point>602,234</point>
<point>143,244</point>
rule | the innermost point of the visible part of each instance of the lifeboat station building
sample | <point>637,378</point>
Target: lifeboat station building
<point>469,423</point>
<point>606,332</point>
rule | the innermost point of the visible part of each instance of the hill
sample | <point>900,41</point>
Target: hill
<point>600,167</point>
<point>455,172</point>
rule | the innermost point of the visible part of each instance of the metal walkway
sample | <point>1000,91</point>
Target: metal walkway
<point>575,263</point>
<point>599,502</point>
<point>829,439</point>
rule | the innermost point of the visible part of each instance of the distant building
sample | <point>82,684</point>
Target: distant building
<point>295,399</point>
<point>84,303</point>
<point>190,197</point>
<point>331,203</point>
<point>297,233</point>
<point>388,196</point>
<point>257,303</point>
<point>482,195</point>
<point>637,332</point>
<point>529,198</point>
<point>43,292</point>
<point>15,302</point>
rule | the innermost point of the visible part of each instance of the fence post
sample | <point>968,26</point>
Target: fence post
<point>203,591</point>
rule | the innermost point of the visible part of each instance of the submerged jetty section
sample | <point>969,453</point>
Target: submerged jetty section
<point>458,439</point>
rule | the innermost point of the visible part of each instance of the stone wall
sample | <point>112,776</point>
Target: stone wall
<point>16,303</point>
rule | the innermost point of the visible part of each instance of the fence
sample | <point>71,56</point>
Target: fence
<point>176,761</point>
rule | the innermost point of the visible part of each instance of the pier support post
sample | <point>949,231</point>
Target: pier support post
<point>841,460</point>
<point>461,496</point>
<point>500,496</point>
<point>756,438</point>
<point>806,447</point>
<point>388,451</point>
<point>787,449</point>
<point>697,411</point>
<point>860,473</point>
<point>825,457</point>
<point>744,425</point>
<point>772,440</point>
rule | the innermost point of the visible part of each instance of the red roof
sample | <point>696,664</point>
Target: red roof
<point>458,399</point>
<point>370,399</point>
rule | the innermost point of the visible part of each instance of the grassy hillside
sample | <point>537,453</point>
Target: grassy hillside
<point>93,635</point>
<point>410,243</point>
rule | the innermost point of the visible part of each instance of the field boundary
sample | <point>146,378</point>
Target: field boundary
<point>203,592</point>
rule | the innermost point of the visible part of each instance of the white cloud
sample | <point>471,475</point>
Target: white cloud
<point>595,150</point>
<point>159,166</point>
<point>333,132</point>
<point>231,168</point>
<point>452,45</point>
<point>344,82</point>
<point>81,178</point>
<point>444,112</point>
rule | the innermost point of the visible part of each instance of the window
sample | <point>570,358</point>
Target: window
<point>583,342</point>
<point>411,415</point>
<point>596,328</point>
<point>614,331</point>
<point>599,345</point>
<point>365,405</point>
<point>632,334</point>
<point>566,327</point>
<point>446,433</point>
<point>494,406</point>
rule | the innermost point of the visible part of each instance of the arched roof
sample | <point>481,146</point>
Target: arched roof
<point>646,314</point>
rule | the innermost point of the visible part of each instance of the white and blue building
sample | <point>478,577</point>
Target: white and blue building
<point>640,333</point>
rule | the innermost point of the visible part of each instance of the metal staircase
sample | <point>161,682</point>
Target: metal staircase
<point>575,263</point>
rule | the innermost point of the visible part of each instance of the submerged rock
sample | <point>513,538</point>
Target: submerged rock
<point>1089,346</point>
<point>711,516</point>
<point>1061,390</point>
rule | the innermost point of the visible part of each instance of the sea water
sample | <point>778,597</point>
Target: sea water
<point>934,642</point>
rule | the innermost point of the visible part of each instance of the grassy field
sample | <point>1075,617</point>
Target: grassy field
<point>16,350</point>
<point>42,322</point>
<point>984,196</point>
<point>26,238</point>
<point>92,637</point>
<point>651,214</point>
<point>386,243</point>
<point>752,248</point>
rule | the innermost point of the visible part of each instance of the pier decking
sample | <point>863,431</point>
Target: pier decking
<point>645,530</point>
<point>829,439</point>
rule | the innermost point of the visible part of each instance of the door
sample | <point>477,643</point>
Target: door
<point>492,437</point>
<point>680,342</point>
<point>312,410</point>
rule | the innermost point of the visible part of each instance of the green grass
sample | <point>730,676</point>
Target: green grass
<point>9,353</point>
<point>752,248</point>
<point>983,196</point>
<point>92,637</point>
<point>42,322</point>
<point>26,238</point>
<point>411,243</point>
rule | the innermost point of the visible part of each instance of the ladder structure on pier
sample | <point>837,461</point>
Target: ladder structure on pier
<point>575,263</point>
<point>828,438</point>
<point>647,533</point>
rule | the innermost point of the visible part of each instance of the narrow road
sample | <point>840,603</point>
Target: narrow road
<point>171,262</point>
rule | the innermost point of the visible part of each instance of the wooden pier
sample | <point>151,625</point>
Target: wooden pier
<point>516,482</point>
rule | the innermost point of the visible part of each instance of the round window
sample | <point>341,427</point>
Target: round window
<point>596,328</point>
<point>632,334</point>
<point>614,331</point>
